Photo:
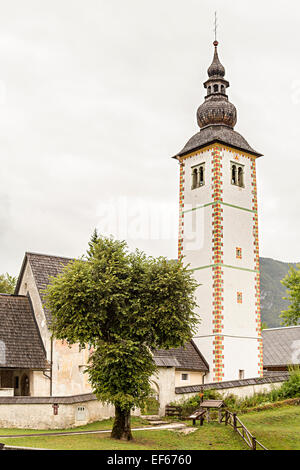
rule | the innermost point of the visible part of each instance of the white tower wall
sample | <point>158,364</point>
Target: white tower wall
<point>218,238</point>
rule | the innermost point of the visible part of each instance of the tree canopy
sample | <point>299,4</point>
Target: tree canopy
<point>124,305</point>
<point>291,281</point>
<point>7,284</point>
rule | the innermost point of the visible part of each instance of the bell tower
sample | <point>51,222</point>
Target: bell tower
<point>218,235</point>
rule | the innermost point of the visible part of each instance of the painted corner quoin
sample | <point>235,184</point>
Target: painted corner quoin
<point>217,271</point>
<point>181,208</point>
<point>256,267</point>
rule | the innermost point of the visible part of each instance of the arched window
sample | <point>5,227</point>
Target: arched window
<point>216,88</point>
<point>201,176</point>
<point>198,176</point>
<point>222,89</point>
<point>209,90</point>
<point>233,174</point>
<point>194,178</point>
<point>240,177</point>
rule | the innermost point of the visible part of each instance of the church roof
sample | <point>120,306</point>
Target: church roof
<point>220,134</point>
<point>216,116</point>
<point>43,267</point>
<point>20,342</point>
<point>281,346</point>
<point>187,357</point>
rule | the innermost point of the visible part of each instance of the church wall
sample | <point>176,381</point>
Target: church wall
<point>41,415</point>
<point>69,363</point>
<point>240,392</point>
<point>194,378</point>
<point>165,383</point>
<point>233,194</point>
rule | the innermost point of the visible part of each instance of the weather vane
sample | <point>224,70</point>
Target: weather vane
<point>216,26</point>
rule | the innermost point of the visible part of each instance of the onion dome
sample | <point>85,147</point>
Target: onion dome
<point>216,108</point>
<point>216,69</point>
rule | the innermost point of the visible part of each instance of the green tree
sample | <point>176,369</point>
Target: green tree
<point>291,281</point>
<point>123,305</point>
<point>7,283</point>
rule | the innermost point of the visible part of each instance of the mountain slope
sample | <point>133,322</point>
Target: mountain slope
<point>272,291</point>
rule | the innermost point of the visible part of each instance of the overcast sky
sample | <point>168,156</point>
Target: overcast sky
<point>97,95</point>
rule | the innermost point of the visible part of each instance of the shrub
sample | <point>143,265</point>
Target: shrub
<point>291,388</point>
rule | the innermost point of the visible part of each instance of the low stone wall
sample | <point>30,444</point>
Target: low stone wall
<point>6,392</point>
<point>39,412</point>
<point>240,388</point>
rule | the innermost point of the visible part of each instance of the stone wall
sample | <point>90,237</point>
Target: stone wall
<point>239,388</point>
<point>38,412</point>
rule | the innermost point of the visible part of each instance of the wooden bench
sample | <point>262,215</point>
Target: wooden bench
<point>205,408</point>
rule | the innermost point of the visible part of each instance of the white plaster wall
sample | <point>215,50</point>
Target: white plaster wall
<point>165,379</point>
<point>40,385</point>
<point>194,378</point>
<point>239,318</point>
<point>6,392</point>
<point>40,416</point>
<point>240,343</point>
<point>238,232</point>
<point>240,354</point>
<point>204,300</point>
<point>68,369</point>
<point>233,194</point>
<point>240,392</point>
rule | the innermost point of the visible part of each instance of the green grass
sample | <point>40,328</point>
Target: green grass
<point>136,422</point>
<point>211,436</point>
<point>277,428</point>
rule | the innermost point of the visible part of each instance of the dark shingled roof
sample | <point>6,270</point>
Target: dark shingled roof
<point>185,358</point>
<point>43,267</point>
<point>281,346</point>
<point>279,377</point>
<point>217,133</point>
<point>20,342</point>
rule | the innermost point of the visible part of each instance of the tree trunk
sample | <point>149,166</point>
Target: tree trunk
<point>121,428</point>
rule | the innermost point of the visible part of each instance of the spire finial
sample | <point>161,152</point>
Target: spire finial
<point>215,29</point>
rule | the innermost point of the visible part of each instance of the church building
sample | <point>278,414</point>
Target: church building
<point>218,240</point>
<point>218,234</point>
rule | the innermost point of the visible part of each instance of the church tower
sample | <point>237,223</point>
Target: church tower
<point>218,235</point>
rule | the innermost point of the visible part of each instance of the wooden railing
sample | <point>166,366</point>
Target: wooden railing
<point>231,419</point>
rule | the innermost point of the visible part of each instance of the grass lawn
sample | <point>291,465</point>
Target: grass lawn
<point>211,436</point>
<point>136,422</point>
<point>277,428</point>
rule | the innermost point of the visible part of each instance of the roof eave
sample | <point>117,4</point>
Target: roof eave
<point>219,141</point>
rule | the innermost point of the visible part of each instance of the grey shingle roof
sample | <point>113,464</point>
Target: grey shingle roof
<point>217,133</point>
<point>185,358</point>
<point>20,342</point>
<point>279,377</point>
<point>281,346</point>
<point>43,267</point>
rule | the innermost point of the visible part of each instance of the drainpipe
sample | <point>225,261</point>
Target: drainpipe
<point>51,365</point>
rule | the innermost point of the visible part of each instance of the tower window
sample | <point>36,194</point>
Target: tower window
<point>238,253</point>
<point>222,89</point>
<point>241,374</point>
<point>237,175</point>
<point>239,297</point>
<point>209,90</point>
<point>216,88</point>
<point>198,176</point>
